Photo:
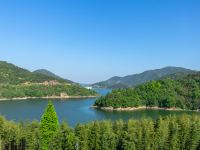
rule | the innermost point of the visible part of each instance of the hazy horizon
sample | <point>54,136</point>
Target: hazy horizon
<point>90,41</point>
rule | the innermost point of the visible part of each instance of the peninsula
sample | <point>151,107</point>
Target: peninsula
<point>182,93</point>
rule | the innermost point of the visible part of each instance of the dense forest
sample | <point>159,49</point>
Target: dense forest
<point>36,90</point>
<point>16,82</point>
<point>168,133</point>
<point>183,93</point>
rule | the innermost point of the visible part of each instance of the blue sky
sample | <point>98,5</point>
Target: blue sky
<point>92,40</point>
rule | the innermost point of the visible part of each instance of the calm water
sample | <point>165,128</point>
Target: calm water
<point>73,111</point>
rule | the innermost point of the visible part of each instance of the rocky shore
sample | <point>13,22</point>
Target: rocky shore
<point>137,108</point>
<point>47,97</point>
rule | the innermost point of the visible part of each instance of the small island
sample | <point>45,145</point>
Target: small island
<point>182,93</point>
<point>19,83</point>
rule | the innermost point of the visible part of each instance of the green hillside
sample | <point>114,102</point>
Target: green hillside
<point>18,82</point>
<point>51,74</point>
<point>136,79</point>
<point>183,93</point>
<point>11,74</point>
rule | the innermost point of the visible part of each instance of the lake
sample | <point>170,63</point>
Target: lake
<point>74,110</point>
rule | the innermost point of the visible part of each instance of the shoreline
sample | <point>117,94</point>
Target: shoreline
<point>47,97</point>
<point>140,108</point>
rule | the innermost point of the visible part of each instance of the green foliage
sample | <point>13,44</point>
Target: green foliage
<point>167,93</point>
<point>49,126</point>
<point>40,90</point>
<point>82,133</point>
<point>168,133</point>
<point>108,139</point>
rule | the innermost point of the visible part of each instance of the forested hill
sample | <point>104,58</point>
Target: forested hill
<point>136,79</point>
<point>51,74</point>
<point>16,82</point>
<point>11,74</point>
<point>181,93</point>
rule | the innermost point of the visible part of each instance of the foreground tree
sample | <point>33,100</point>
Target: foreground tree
<point>48,127</point>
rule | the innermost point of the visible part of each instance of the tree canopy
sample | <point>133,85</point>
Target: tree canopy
<point>164,133</point>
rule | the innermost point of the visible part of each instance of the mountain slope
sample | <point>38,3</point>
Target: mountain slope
<point>16,82</point>
<point>136,79</point>
<point>11,74</point>
<point>49,73</point>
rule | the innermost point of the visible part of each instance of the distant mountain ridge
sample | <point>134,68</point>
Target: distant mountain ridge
<point>136,79</point>
<point>51,74</point>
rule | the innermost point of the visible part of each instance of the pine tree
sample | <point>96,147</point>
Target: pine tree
<point>49,126</point>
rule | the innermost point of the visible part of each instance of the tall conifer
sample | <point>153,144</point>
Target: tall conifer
<point>49,126</point>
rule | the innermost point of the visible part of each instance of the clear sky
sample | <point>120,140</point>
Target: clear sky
<point>92,40</point>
